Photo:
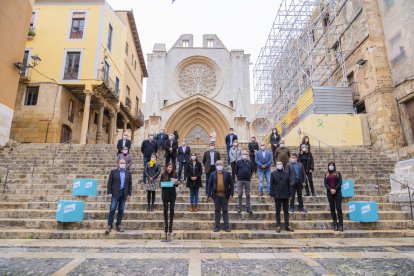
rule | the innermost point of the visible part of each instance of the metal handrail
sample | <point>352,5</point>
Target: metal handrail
<point>320,141</point>
<point>5,181</point>
<point>408,187</point>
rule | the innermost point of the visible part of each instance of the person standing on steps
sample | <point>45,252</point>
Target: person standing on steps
<point>184,153</point>
<point>213,136</point>
<point>235,155</point>
<point>210,158</point>
<point>280,191</point>
<point>171,146</point>
<point>332,183</point>
<point>306,159</point>
<point>263,161</point>
<point>124,142</point>
<point>148,147</point>
<point>161,138</point>
<point>220,188</point>
<point>119,191</point>
<point>274,140</point>
<point>305,141</point>
<point>244,171</point>
<point>230,138</point>
<point>194,171</point>
<point>253,149</point>
<point>169,195</point>
<point>297,178</point>
<point>152,171</point>
<point>282,153</point>
<point>127,156</point>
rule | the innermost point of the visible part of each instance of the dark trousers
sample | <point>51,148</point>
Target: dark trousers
<point>273,154</point>
<point>181,166</point>
<point>212,169</point>
<point>169,158</point>
<point>146,160</point>
<point>253,160</point>
<point>309,184</point>
<point>117,202</point>
<point>233,170</point>
<point>278,205</point>
<point>296,189</point>
<point>228,154</point>
<point>221,205</point>
<point>150,197</point>
<point>335,202</point>
<point>168,226</point>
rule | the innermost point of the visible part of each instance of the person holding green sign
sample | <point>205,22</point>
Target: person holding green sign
<point>168,184</point>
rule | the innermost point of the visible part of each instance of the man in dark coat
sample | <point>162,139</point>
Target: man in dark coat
<point>161,138</point>
<point>171,146</point>
<point>119,190</point>
<point>220,188</point>
<point>280,191</point>
<point>210,158</point>
<point>229,143</point>
<point>253,148</point>
<point>148,147</point>
<point>124,142</point>
<point>297,179</point>
<point>184,153</point>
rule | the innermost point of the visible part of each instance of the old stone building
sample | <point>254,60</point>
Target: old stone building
<point>198,89</point>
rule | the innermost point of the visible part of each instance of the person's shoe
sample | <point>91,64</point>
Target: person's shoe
<point>119,229</point>
<point>289,229</point>
<point>152,208</point>
<point>313,194</point>
<point>261,193</point>
<point>307,194</point>
<point>216,229</point>
<point>278,229</point>
<point>335,227</point>
<point>227,230</point>
<point>149,208</point>
<point>341,228</point>
<point>108,229</point>
<point>239,210</point>
<point>191,209</point>
<point>169,236</point>
<point>291,210</point>
<point>249,212</point>
<point>164,237</point>
<point>303,210</point>
<point>195,209</point>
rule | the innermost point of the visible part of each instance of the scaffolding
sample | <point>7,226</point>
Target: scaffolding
<point>303,50</point>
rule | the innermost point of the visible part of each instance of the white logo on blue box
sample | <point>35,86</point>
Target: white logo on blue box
<point>59,207</point>
<point>88,185</point>
<point>69,208</point>
<point>76,184</point>
<point>346,185</point>
<point>352,208</point>
<point>365,209</point>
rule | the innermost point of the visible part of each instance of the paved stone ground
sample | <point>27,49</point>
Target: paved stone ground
<point>212,257</point>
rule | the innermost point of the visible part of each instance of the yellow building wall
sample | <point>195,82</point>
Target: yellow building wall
<point>338,130</point>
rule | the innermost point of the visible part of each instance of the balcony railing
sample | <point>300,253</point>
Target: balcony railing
<point>355,91</point>
<point>109,83</point>
<point>139,115</point>
<point>128,102</point>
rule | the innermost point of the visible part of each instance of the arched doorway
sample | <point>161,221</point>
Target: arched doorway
<point>195,119</point>
<point>65,134</point>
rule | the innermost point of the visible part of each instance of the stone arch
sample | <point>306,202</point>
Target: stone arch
<point>198,112</point>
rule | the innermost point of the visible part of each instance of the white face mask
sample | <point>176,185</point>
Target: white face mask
<point>304,149</point>
<point>125,137</point>
<point>125,151</point>
<point>211,148</point>
<point>151,138</point>
<point>183,143</point>
<point>235,144</point>
<point>219,168</point>
<point>263,148</point>
<point>293,160</point>
<point>282,145</point>
<point>231,132</point>
<point>244,156</point>
<point>153,158</point>
<point>193,158</point>
<point>279,167</point>
<point>331,167</point>
<point>171,137</point>
<point>122,166</point>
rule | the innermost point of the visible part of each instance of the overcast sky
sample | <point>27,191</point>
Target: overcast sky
<point>240,24</point>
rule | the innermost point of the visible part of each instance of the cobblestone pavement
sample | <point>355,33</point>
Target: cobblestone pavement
<point>208,257</point>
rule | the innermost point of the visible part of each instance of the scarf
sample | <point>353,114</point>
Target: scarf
<point>152,163</point>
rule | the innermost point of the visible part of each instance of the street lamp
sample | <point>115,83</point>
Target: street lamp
<point>23,67</point>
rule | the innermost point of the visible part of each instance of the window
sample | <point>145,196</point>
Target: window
<point>231,103</point>
<point>109,43</point>
<point>23,72</point>
<point>106,71</point>
<point>78,25</point>
<point>71,113</point>
<point>95,118</point>
<point>185,43</point>
<point>396,49</point>
<point>135,65</point>
<point>126,48</point>
<point>32,93</point>
<point>32,20</point>
<point>210,43</point>
<point>136,105</point>
<point>128,91</point>
<point>326,21</point>
<point>72,65</point>
<point>132,59</point>
<point>116,84</point>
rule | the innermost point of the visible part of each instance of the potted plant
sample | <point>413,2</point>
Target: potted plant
<point>31,34</point>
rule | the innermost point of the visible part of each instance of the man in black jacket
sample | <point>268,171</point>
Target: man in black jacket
<point>119,190</point>
<point>124,142</point>
<point>280,191</point>
<point>171,146</point>
<point>229,143</point>
<point>297,178</point>
<point>220,188</point>
<point>148,147</point>
<point>161,138</point>
<point>184,153</point>
<point>210,158</point>
<point>244,171</point>
<point>253,148</point>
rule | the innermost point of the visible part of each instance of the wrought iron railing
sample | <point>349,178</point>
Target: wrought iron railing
<point>109,83</point>
<point>354,87</point>
<point>139,115</point>
<point>410,194</point>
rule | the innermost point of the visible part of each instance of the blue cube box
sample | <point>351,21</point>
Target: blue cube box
<point>347,188</point>
<point>70,211</point>
<point>85,187</point>
<point>363,211</point>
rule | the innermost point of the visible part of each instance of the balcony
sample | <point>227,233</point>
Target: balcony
<point>107,88</point>
<point>136,118</point>
<point>139,116</point>
<point>25,75</point>
<point>355,91</point>
<point>31,33</point>
<point>128,102</point>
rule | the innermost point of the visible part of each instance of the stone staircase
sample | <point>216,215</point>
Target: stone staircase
<point>41,174</point>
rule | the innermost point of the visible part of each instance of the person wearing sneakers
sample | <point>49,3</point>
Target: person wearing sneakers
<point>263,162</point>
<point>332,183</point>
<point>244,171</point>
<point>169,195</point>
<point>119,190</point>
<point>280,191</point>
<point>193,172</point>
<point>297,177</point>
<point>152,171</point>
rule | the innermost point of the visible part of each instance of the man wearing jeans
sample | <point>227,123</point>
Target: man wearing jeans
<point>220,188</point>
<point>263,161</point>
<point>297,179</point>
<point>244,171</point>
<point>119,190</point>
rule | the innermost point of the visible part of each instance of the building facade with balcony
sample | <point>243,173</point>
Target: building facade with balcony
<point>79,90</point>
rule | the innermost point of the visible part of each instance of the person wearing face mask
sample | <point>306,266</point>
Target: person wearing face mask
<point>244,171</point>
<point>184,153</point>
<point>125,155</point>
<point>235,155</point>
<point>171,146</point>
<point>169,195</point>
<point>305,141</point>
<point>306,158</point>
<point>194,171</point>
<point>230,138</point>
<point>280,191</point>
<point>253,149</point>
<point>282,153</point>
<point>148,148</point>
<point>220,188</point>
<point>124,142</point>
<point>210,158</point>
<point>297,178</point>
<point>152,171</point>
<point>161,138</point>
<point>119,188</point>
<point>332,183</point>
<point>274,140</point>
<point>263,161</point>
